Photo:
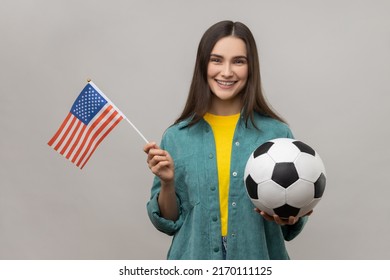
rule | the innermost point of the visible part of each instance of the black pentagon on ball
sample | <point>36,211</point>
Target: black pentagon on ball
<point>286,211</point>
<point>285,174</point>
<point>262,149</point>
<point>319,186</point>
<point>304,148</point>
<point>251,187</point>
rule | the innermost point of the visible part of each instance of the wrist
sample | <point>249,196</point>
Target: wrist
<point>167,184</point>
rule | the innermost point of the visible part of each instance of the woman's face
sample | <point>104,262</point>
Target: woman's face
<point>227,73</point>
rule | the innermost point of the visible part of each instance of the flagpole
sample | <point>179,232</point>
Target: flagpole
<point>136,129</point>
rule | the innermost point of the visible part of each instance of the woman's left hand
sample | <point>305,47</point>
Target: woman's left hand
<point>275,218</point>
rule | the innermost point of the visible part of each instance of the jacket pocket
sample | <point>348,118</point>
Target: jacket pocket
<point>187,180</point>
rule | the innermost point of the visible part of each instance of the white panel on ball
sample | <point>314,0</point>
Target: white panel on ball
<point>261,168</point>
<point>300,193</point>
<point>271,194</point>
<point>316,168</point>
<point>283,151</point>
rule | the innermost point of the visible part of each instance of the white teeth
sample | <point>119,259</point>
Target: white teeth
<point>225,83</point>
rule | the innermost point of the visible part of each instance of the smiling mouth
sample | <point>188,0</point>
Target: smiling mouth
<point>226,83</point>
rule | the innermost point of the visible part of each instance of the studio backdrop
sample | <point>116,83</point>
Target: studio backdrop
<point>325,68</point>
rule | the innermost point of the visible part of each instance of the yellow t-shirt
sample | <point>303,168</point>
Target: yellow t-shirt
<point>223,128</point>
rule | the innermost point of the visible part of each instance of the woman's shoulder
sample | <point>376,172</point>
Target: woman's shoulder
<point>179,130</point>
<point>262,120</point>
<point>182,138</point>
<point>176,128</point>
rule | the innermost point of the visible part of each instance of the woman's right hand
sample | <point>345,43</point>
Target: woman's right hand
<point>160,162</point>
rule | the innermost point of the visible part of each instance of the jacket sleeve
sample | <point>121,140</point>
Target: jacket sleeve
<point>290,232</point>
<point>164,225</point>
<point>289,134</point>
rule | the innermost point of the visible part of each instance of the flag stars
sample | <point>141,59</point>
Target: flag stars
<point>88,104</point>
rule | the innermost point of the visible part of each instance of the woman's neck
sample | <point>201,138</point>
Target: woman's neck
<point>225,107</point>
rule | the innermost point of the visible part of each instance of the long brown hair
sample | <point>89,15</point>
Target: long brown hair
<point>199,97</point>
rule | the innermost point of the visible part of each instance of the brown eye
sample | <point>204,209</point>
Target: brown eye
<point>215,60</point>
<point>240,61</point>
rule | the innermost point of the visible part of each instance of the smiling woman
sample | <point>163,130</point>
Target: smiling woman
<point>198,193</point>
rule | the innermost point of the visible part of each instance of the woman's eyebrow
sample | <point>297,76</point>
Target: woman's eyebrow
<point>220,56</point>
<point>241,56</point>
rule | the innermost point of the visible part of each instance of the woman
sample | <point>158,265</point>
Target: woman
<point>198,194</point>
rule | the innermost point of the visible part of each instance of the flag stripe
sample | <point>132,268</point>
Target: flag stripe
<point>89,131</point>
<point>54,138</point>
<point>65,132</point>
<point>97,139</point>
<point>105,110</point>
<point>101,139</point>
<point>71,137</point>
<point>83,127</point>
<point>63,141</point>
<point>95,134</point>
<point>59,143</point>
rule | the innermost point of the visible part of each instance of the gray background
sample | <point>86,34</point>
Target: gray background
<point>325,67</point>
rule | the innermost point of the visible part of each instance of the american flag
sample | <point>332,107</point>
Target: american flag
<point>90,120</point>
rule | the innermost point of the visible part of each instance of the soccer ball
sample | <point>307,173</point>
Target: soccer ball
<point>285,177</point>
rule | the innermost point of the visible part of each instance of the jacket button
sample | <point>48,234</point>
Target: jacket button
<point>216,249</point>
<point>234,173</point>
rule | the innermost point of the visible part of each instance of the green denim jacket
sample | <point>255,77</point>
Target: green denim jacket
<point>197,232</point>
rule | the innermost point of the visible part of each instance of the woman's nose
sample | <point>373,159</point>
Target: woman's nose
<point>227,70</point>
